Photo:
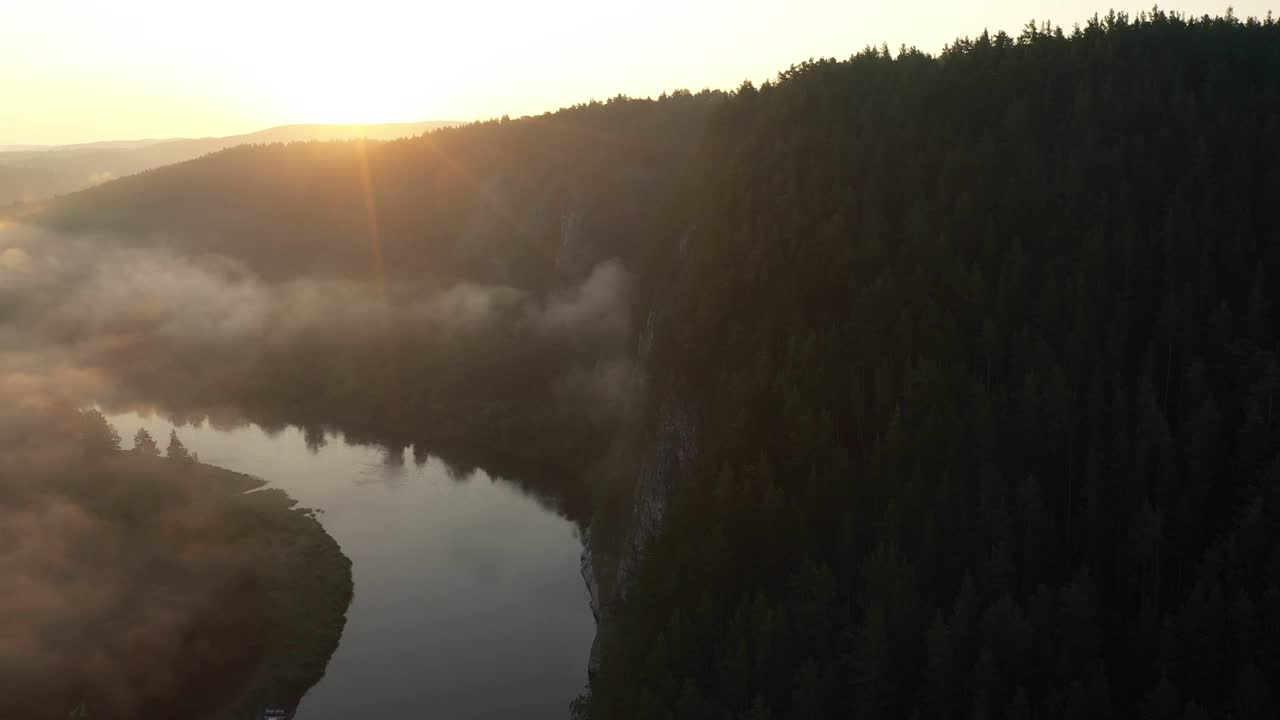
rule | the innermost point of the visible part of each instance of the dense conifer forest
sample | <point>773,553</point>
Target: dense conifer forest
<point>982,352</point>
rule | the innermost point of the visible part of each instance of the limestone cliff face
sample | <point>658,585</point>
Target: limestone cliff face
<point>664,460</point>
<point>589,570</point>
<point>667,447</point>
<point>673,449</point>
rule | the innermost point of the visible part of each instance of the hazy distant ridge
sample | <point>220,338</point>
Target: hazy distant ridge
<point>35,174</point>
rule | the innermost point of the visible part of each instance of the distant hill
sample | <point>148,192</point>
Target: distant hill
<point>15,148</point>
<point>332,131</point>
<point>32,174</point>
<point>517,202</point>
<point>19,184</point>
<point>96,145</point>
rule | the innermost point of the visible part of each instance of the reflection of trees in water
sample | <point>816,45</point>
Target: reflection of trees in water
<point>315,438</point>
<point>387,474</point>
<point>389,471</point>
<point>221,417</point>
<point>459,473</point>
<point>393,456</point>
<point>491,400</point>
<point>463,447</point>
<point>272,428</point>
<point>392,472</point>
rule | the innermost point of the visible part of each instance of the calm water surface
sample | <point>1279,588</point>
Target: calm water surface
<point>468,602</point>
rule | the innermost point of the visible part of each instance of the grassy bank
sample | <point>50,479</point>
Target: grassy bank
<point>143,585</point>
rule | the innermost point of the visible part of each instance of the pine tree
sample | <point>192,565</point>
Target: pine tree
<point>144,444</point>
<point>95,433</point>
<point>176,450</point>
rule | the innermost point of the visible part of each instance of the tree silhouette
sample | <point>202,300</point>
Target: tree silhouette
<point>176,450</point>
<point>95,433</point>
<point>144,444</point>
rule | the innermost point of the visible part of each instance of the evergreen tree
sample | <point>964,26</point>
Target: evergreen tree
<point>1001,317</point>
<point>176,450</point>
<point>95,434</point>
<point>144,444</point>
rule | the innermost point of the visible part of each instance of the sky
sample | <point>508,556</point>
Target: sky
<point>86,70</point>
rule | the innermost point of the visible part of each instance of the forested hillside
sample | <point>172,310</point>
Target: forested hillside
<point>465,291</point>
<point>37,173</point>
<point>490,201</point>
<point>981,350</point>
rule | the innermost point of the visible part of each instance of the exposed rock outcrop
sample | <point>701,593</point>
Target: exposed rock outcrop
<point>668,449</point>
<point>609,576</point>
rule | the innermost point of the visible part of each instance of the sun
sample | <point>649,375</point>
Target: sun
<point>348,96</point>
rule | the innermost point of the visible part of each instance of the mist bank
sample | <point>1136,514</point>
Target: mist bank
<point>523,382</point>
<point>468,291</point>
<point>140,585</point>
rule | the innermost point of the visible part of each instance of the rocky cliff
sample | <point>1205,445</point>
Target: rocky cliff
<point>659,452</point>
<point>664,459</point>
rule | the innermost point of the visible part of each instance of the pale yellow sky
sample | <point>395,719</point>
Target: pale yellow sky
<point>83,70</point>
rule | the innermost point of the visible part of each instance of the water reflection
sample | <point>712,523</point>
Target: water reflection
<point>468,602</point>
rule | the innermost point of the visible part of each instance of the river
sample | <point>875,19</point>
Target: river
<point>468,602</point>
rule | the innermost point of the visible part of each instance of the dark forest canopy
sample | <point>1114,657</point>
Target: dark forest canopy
<point>982,354</point>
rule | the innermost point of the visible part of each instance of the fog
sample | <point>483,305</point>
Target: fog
<point>101,318</point>
<point>84,611</point>
<point>132,323</point>
<point>117,577</point>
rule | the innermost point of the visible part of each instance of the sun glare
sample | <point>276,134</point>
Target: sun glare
<point>354,93</point>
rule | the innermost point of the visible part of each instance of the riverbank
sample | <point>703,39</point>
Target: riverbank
<point>448,607</point>
<point>309,587</point>
<point>143,585</point>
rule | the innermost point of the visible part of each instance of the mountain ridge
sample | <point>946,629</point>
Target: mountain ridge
<point>34,174</point>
